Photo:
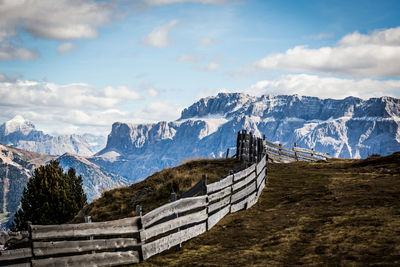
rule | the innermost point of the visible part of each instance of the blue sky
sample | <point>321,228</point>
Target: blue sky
<point>78,66</point>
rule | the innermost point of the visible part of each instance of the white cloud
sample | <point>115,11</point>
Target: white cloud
<point>158,111</point>
<point>159,36</point>
<point>12,52</point>
<point>64,20</point>
<point>153,92</point>
<point>121,92</point>
<point>65,48</point>
<point>207,41</point>
<point>212,66</point>
<point>79,105</point>
<point>372,55</point>
<point>166,2</point>
<point>326,87</point>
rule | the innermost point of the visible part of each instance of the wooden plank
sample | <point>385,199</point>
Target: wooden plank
<point>244,182</point>
<point>251,200</point>
<point>13,254</point>
<point>276,158</point>
<point>172,240</point>
<point>281,153</point>
<point>301,155</point>
<point>260,179</point>
<point>278,147</point>
<point>179,206</point>
<point>244,192</point>
<point>194,190</point>
<point>173,224</point>
<point>305,150</point>
<point>96,259</point>
<point>219,194</point>
<point>62,247</point>
<point>261,165</point>
<point>221,184</point>
<point>244,173</point>
<point>239,206</point>
<point>215,218</point>
<point>116,227</point>
<point>260,188</point>
<point>223,202</point>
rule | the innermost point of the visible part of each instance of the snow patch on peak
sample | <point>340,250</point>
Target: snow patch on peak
<point>18,124</point>
<point>110,156</point>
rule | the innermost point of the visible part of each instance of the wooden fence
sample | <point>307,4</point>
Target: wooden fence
<point>279,153</point>
<point>250,148</point>
<point>135,239</point>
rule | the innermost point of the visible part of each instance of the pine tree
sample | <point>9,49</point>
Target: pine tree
<point>50,197</point>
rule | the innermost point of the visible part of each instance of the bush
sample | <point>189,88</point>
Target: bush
<point>50,197</point>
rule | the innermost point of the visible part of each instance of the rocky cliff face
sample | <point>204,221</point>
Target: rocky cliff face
<point>22,134</point>
<point>348,128</point>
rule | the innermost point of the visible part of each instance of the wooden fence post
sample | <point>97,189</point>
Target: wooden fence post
<point>204,184</point>
<point>30,240</point>
<point>231,186</point>
<point>251,152</point>
<point>141,238</point>
<point>88,219</point>
<point>173,198</point>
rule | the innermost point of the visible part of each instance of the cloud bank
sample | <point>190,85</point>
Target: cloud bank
<point>325,87</point>
<point>356,55</point>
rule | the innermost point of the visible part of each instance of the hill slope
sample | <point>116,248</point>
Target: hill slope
<point>343,212</point>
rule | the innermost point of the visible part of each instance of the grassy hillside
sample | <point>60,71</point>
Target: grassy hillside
<point>342,212</point>
<point>156,189</point>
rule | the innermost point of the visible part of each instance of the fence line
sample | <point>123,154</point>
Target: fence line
<point>131,240</point>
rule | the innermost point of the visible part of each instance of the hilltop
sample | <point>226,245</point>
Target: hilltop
<point>340,212</point>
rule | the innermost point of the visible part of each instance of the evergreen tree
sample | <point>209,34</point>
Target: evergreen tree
<point>50,197</point>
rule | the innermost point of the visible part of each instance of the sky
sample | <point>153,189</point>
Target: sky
<point>77,66</point>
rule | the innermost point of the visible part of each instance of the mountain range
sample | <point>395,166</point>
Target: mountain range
<point>347,128</point>
<point>21,133</point>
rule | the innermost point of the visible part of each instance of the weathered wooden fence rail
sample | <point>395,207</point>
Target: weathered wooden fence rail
<point>134,239</point>
<point>250,148</point>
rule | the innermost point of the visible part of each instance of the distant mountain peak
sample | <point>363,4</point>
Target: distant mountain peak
<point>18,124</point>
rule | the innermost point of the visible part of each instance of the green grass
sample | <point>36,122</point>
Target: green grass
<point>341,212</point>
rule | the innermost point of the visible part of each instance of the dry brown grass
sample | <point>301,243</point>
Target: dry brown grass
<point>156,190</point>
<point>341,212</point>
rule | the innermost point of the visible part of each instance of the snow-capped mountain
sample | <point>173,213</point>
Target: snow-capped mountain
<point>22,134</point>
<point>348,128</point>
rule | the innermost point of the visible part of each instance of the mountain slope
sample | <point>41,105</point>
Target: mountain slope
<point>348,128</point>
<point>22,134</point>
<point>16,168</point>
<point>95,179</point>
